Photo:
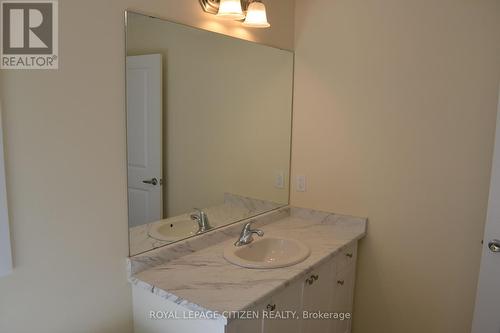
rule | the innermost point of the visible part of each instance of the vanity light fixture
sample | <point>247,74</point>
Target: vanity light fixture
<point>253,10</point>
<point>256,15</point>
<point>231,10</point>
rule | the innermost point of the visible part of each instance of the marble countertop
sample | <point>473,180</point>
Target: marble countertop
<point>202,280</point>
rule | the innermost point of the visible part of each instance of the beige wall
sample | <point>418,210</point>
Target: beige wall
<point>394,118</point>
<point>211,114</point>
<point>66,177</point>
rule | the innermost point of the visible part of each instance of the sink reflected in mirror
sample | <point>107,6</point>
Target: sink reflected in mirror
<point>172,230</point>
<point>268,253</point>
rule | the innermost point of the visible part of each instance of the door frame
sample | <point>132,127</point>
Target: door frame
<point>6,265</point>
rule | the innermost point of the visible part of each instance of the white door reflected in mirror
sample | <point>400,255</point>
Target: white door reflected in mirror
<point>144,133</point>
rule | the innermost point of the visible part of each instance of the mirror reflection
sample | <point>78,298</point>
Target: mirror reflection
<point>208,130</point>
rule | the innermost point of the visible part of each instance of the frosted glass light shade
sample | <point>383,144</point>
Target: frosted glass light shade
<point>231,10</point>
<point>256,16</point>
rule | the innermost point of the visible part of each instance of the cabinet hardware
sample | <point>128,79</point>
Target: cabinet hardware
<point>341,282</point>
<point>349,255</point>
<point>311,279</point>
<point>271,307</point>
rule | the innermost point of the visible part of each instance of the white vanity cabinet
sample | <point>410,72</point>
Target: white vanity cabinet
<point>327,289</point>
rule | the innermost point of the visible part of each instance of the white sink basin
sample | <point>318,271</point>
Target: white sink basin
<point>173,231</point>
<point>267,253</point>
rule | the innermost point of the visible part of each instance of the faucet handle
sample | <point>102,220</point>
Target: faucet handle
<point>246,234</point>
<point>254,231</point>
<point>247,226</point>
<point>248,231</point>
<point>200,212</point>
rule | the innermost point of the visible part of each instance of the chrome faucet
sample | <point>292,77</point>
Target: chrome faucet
<point>246,236</point>
<point>202,219</point>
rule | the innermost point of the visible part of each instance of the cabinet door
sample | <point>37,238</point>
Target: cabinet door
<point>347,257</point>
<point>344,290</point>
<point>317,297</point>
<point>287,300</point>
<point>245,325</point>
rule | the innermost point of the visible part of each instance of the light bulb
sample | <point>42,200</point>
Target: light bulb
<point>256,16</point>
<point>231,10</point>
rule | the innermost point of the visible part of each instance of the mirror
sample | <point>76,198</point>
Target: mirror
<point>208,130</point>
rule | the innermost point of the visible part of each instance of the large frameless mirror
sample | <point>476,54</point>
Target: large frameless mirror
<point>208,130</point>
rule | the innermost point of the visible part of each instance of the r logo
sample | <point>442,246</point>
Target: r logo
<point>27,28</point>
<point>29,34</point>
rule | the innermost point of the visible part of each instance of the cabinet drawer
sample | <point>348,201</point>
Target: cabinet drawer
<point>346,257</point>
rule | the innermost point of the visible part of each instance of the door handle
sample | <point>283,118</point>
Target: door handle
<point>494,245</point>
<point>152,181</point>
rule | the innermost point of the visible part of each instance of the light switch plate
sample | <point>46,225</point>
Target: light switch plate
<point>279,179</point>
<point>301,184</point>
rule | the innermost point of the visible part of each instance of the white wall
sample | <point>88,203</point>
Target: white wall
<point>218,92</point>
<point>394,118</point>
<point>65,165</point>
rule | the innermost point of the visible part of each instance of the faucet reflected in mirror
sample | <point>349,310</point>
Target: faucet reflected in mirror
<point>201,218</point>
<point>224,167</point>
